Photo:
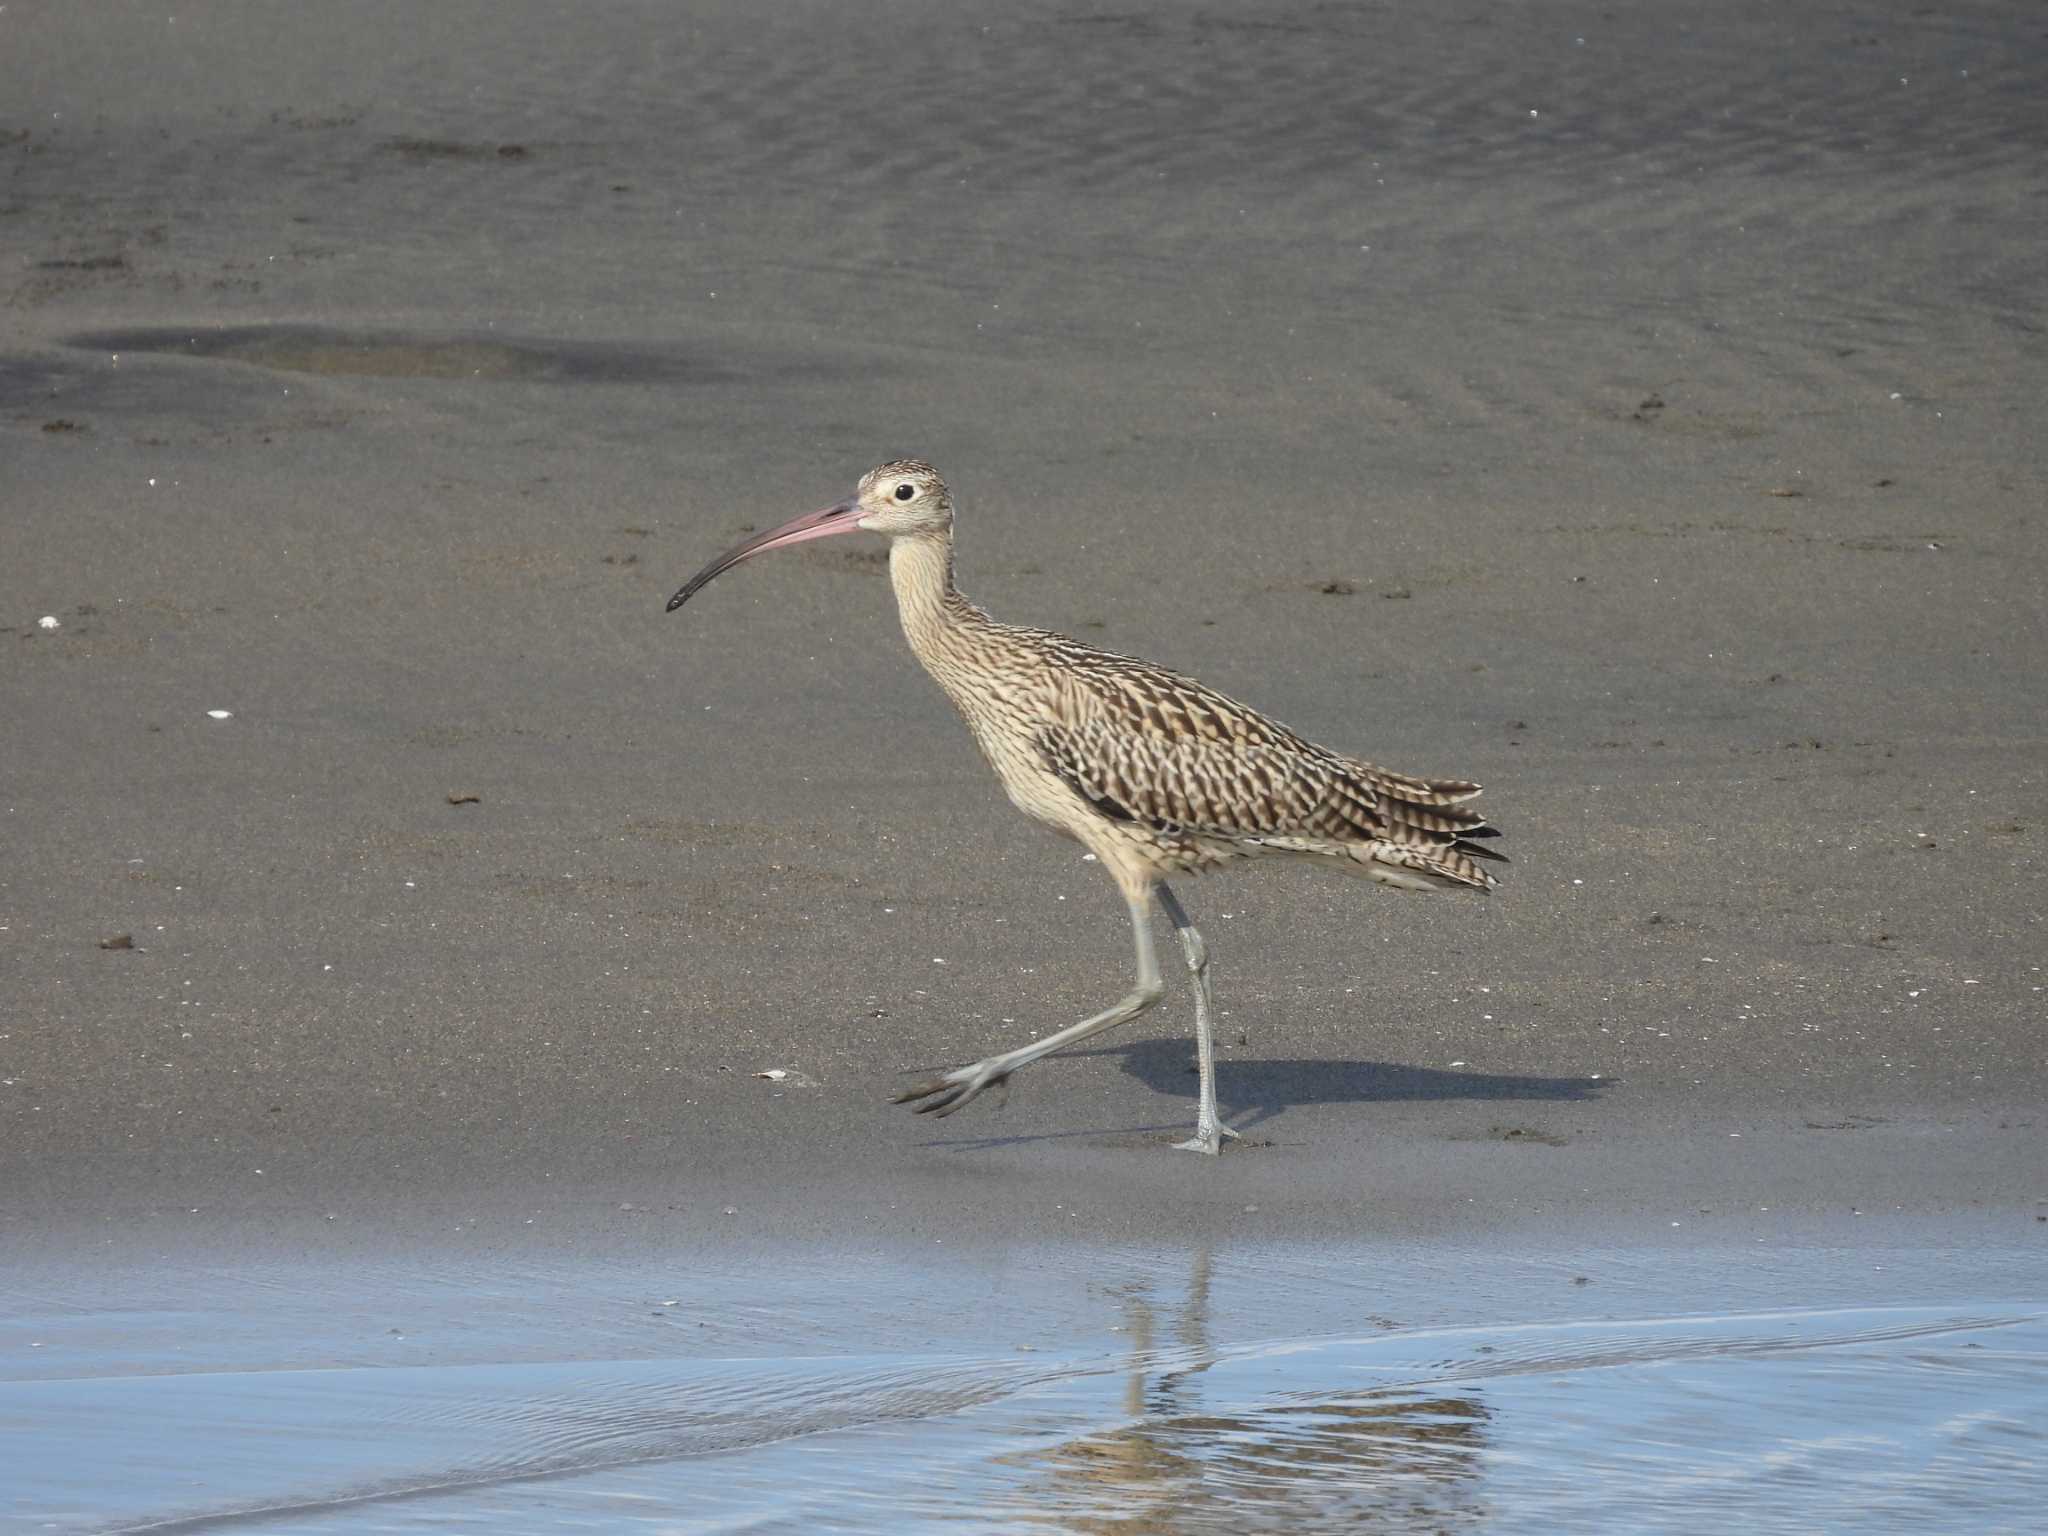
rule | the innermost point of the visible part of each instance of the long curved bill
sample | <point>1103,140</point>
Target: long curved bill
<point>842,518</point>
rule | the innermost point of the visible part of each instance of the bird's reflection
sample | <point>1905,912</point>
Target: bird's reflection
<point>1388,1460</point>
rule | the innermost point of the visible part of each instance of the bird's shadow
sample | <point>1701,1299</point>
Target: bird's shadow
<point>1251,1091</point>
<point>1254,1090</point>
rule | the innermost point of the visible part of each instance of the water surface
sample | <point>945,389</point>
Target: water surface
<point>1049,1388</point>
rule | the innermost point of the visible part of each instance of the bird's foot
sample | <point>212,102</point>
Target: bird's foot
<point>1207,1138</point>
<point>955,1089</point>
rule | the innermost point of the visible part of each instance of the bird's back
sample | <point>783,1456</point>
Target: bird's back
<point>1195,776</point>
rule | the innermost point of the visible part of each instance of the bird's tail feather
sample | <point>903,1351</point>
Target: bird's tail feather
<point>1420,866</point>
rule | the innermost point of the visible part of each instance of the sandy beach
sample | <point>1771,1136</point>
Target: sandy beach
<point>1636,410</point>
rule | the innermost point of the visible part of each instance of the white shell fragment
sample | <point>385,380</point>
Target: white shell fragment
<point>220,714</point>
<point>49,621</point>
<point>773,1074</point>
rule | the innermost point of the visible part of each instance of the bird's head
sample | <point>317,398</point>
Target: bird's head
<point>903,499</point>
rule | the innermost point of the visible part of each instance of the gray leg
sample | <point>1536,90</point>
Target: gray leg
<point>1210,1131</point>
<point>948,1092</point>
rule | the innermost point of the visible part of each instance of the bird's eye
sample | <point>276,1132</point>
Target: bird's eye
<point>905,492</point>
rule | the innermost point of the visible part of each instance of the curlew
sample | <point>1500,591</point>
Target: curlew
<point>1152,772</point>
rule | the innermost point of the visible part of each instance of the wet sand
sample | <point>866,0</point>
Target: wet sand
<point>1636,412</point>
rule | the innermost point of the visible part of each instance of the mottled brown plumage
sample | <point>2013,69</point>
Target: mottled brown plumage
<point>1153,772</point>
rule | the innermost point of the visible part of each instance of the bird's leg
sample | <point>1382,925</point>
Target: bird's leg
<point>1210,1131</point>
<point>948,1092</point>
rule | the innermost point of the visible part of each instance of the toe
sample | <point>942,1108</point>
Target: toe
<point>966,1093</point>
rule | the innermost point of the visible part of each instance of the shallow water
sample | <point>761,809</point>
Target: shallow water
<point>1049,1388</point>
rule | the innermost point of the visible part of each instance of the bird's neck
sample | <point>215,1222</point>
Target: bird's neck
<point>933,612</point>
